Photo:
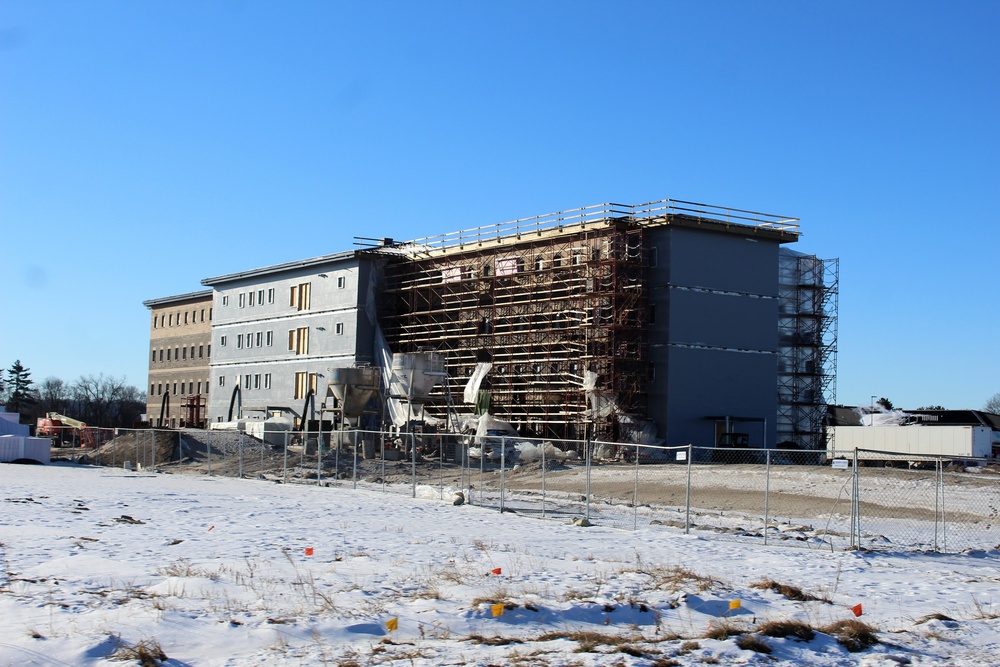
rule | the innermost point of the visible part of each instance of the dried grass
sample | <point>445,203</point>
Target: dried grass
<point>753,643</point>
<point>789,592</point>
<point>148,652</point>
<point>854,635</point>
<point>788,628</point>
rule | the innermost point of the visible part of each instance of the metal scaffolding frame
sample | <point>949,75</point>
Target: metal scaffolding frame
<point>807,356</point>
<point>558,303</point>
<point>543,311</point>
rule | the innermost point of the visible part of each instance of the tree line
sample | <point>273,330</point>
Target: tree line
<point>97,400</point>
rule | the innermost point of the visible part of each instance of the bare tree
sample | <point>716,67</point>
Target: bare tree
<point>107,401</point>
<point>993,405</point>
<point>53,395</point>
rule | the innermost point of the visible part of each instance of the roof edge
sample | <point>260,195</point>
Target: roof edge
<point>164,300</point>
<point>280,268</point>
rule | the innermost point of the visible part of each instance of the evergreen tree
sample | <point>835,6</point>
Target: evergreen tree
<point>19,384</point>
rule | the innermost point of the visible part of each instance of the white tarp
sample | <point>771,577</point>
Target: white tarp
<point>10,424</point>
<point>475,380</point>
<point>14,447</point>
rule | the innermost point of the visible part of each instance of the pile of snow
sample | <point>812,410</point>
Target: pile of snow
<point>210,571</point>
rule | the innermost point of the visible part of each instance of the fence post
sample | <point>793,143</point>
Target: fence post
<point>413,452</point>
<point>543,479</point>
<point>239,444</point>
<point>635,492</point>
<point>354,474</point>
<point>382,475</point>
<point>209,438</point>
<point>944,517</point>
<point>284,461</point>
<point>503,467</point>
<point>587,445</point>
<point>687,494</point>
<point>767,490</point>
<point>856,506</point>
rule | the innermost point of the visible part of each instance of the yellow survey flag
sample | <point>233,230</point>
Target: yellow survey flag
<point>392,624</point>
<point>497,609</point>
<point>735,604</point>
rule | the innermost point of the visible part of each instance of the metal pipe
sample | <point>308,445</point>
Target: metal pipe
<point>687,499</point>
<point>767,491</point>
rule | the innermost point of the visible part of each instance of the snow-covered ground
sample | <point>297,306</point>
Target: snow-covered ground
<point>95,562</point>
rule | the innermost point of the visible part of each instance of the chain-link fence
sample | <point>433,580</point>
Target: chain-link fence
<point>821,500</point>
<point>930,503</point>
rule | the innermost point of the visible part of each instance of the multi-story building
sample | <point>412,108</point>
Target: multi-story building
<point>668,319</point>
<point>279,330</point>
<point>180,348</point>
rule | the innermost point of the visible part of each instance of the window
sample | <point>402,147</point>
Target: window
<point>222,341</point>
<point>298,340</point>
<point>208,351</point>
<point>341,282</point>
<point>267,380</point>
<point>161,355</point>
<point>192,351</point>
<point>260,338</point>
<point>242,299</point>
<point>260,297</point>
<point>209,314</point>
<point>269,338</point>
<point>222,380</point>
<point>256,381</point>
<point>202,314</point>
<point>161,320</point>
<point>151,388</point>
<point>249,339</point>
<point>153,359</point>
<point>251,298</point>
<point>177,353</point>
<point>270,295</point>
<point>199,386</point>
<point>175,389</point>
<point>159,389</point>
<point>185,318</point>
<point>184,352</point>
<point>300,385</point>
<point>299,296</point>
<point>340,328</point>
<point>225,300</point>
<point>154,325</point>
<point>239,341</point>
<point>246,381</point>
<point>201,351</point>
<point>170,320</point>
<point>168,354</point>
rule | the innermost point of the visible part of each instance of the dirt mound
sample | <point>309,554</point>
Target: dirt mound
<point>147,448</point>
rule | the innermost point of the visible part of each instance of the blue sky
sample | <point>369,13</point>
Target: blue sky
<point>147,145</point>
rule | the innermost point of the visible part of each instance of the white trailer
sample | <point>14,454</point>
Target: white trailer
<point>913,440</point>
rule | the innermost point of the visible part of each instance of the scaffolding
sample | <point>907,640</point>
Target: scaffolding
<point>807,347</point>
<point>558,304</point>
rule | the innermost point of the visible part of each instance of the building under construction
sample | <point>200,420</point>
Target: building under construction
<point>621,322</point>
